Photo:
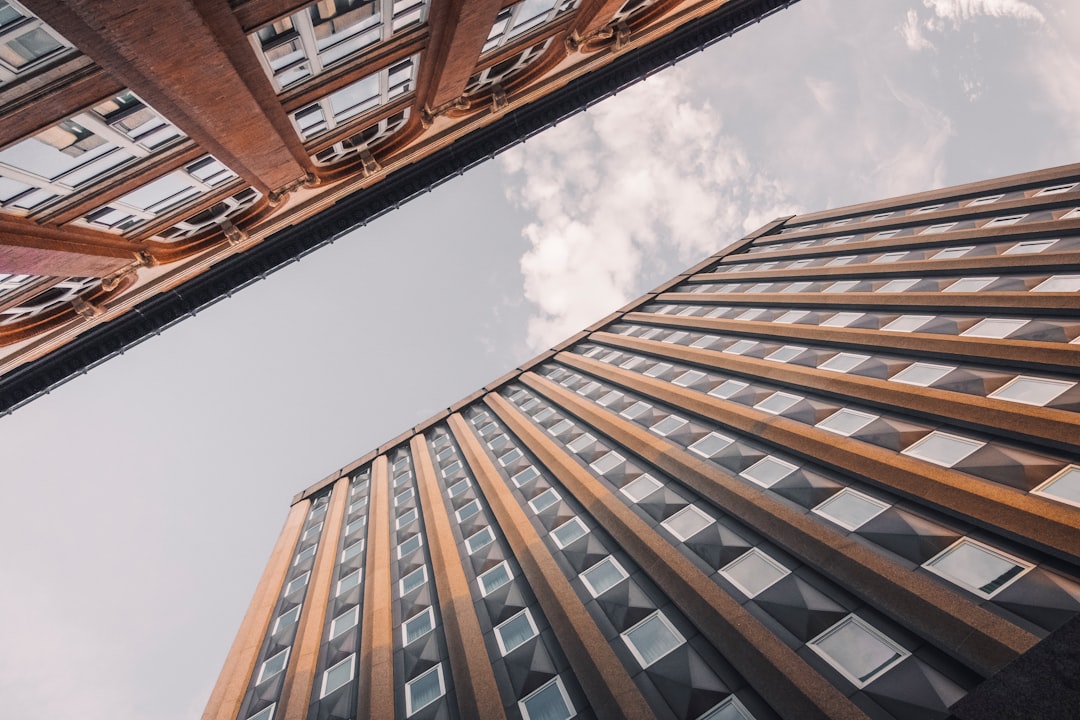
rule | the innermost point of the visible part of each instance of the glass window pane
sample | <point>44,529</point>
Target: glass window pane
<point>923,374</point>
<point>995,327</point>
<point>479,540</point>
<point>859,651</point>
<point>969,284</point>
<point>730,709</point>
<point>641,487</point>
<point>846,422</point>
<point>1059,283</point>
<point>273,666</point>
<point>842,319</point>
<point>768,471</point>
<point>424,690</point>
<point>413,580</point>
<point>976,567</point>
<point>1065,486</point>
<point>652,638</point>
<point>687,522</point>
<point>1031,390</point>
<point>943,449</point>
<point>515,632</point>
<point>544,500</point>
<point>843,362</point>
<point>668,425</point>
<point>348,582</point>
<point>728,388</point>
<point>607,463</point>
<point>908,323</point>
<point>850,509</point>
<point>777,403</point>
<point>548,703</point>
<point>711,444</point>
<point>338,676</point>
<point>754,571</point>
<point>569,531</point>
<point>345,622</point>
<point>418,626</point>
<point>603,576</point>
<point>494,578</point>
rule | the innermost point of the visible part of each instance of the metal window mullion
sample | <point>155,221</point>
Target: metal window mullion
<point>27,178</point>
<point>102,128</point>
<point>306,31</point>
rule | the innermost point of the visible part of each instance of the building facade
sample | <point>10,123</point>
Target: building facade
<point>829,472</point>
<point>157,156</point>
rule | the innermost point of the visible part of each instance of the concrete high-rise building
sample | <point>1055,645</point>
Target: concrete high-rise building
<point>830,471</point>
<point>155,156</point>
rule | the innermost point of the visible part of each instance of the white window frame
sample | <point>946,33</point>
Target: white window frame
<point>847,411</point>
<point>402,552</point>
<point>422,571</point>
<point>289,589</point>
<point>409,709</point>
<point>643,478</point>
<point>277,621</point>
<point>625,635</point>
<point>358,573</point>
<point>499,638</point>
<point>900,650</point>
<point>607,559</point>
<point>576,521</point>
<point>553,492</point>
<point>1044,491</point>
<point>484,589</point>
<point>262,676</point>
<point>469,540</point>
<point>427,612</point>
<point>1064,385</point>
<point>822,508</point>
<point>914,451</point>
<point>688,510</point>
<point>557,681</point>
<point>768,459</point>
<point>765,558</point>
<point>352,615</point>
<point>931,565</point>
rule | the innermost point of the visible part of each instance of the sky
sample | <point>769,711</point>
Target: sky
<point>142,499</point>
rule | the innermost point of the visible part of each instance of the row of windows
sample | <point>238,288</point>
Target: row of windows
<point>979,201</point>
<point>946,447</point>
<point>967,563</point>
<point>26,43</point>
<point>946,283</point>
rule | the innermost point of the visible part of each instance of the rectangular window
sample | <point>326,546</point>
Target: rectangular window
<point>569,531</point>
<point>928,208</point>
<point>753,572</point>
<point>610,398</point>
<point>406,518</point>
<point>1059,283</point>
<point>751,314</point>
<point>688,378</point>
<point>636,410</point>
<point>1064,486</point>
<point>494,578</point>
<point>348,582</point>
<point>273,666</point>
<point>908,323</point>
<point>549,702</point>
<point>451,469</point>
<point>582,442</point>
<point>1029,247</point>
<point>1032,390</point>
<point>352,551</point>
<point>922,374</point>
<point>740,347</point>
<point>942,448</point>
<point>528,474</point>
<point>458,488</point>
<point>286,619</point>
<point>995,328</point>
<point>412,581</point>
<point>851,509</point>
<point>640,487</point>
<point>356,525</point>
<point>841,287</point>
<point>846,422</point>
<point>728,388</point>
<point>952,252</point>
<point>658,369</point>
<point>896,286</point>
<point>841,260</point>
<point>603,576</point>
<point>305,554</point>
<point>791,316</point>
<point>652,638</point>
<point>844,362</point>
<point>515,632</point>
<point>786,353</point>
<point>510,457</point>
<point>729,709</point>
<point>344,622</point>
<point>606,463</point>
<point>859,651</point>
<point>670,424</point>
<point>688,522</point>
<point>1056,189</point>
<point>841,319</point>
<point>297,583</point>
<point>468,510</point>
<point>423,690</point>
<point>417,626</point>
<point>710,445</point>
<point>544,500</point>
<point>480,539</point>
<point>409,544</point>
<point>778,402</point>
<point>977,567</point>
<point>1003,221</point>
<point>338,676</point>
<point>969,284</point>
<point>768,471</point>
<point>936,229</point>
<point>986,199</point>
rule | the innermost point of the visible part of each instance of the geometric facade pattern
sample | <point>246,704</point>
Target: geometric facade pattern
<point>831,471</point>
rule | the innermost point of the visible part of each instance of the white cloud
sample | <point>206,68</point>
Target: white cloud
<point>645,176</point>
<point>1055,65</point>
<point>960,10</point>
<point>912,33</point>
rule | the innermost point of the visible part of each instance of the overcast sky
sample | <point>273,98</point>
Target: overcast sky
<point>142,500</point>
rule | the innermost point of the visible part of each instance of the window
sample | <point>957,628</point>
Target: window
<point>511,457</point>
<point>952,252</point>
<point>480,539</point>
<point>1056,189</point>
<point>348,582</point>
<point>521,17</point>
<point>791,316</point>
<point>859,651</point>
<point>424,689</point>
<point>356,525</point>
<point>668,425</point>
<point>851,509</point>
<point>544,500</point>
<point>417,626</point>
<point>631,363</point>
<point>842,319</point>
<point>344,622</point>
<point>636,410</point>
<point>25,41</point>
<point>908,323</point>
<point>352,551</point>
<point>688,378</point>
<point>846,422</point>
<point>338,676</point>
<point>936,229</point>
<point>753,313</point>
<point>778,402</point>
<point>995,327</point>
<point>652,638</point>
<point>305,554</point>
<point>884,235</point>
<point>267,713</point>
<point>1065,486</point>
<point>711,444</point>
<point>549,702</point>
<point>986,199</point>
<point>928,208</point>
<point>610,398</point>
<point>786,353</point>
<point>841,260</point>
<point>977,567</point>
<point>687,523</point>
<point>580,443</point>
<point>273,666</point>
<point>606,463</point>
<point>1032,390</point>
<point>970,284</point>
<point>412,581</point>
<point>840,240</point>
<point>753,572</point>
<point>797,287</point>
<point>406,518</point>
<point>640,487</point>
<point>468,510</point>
<point>768,471</point>
<point>515,632</point>
<point>1029,247</point>
<point>1007,220</point>
<point>1059,283</point>
<point>528,474</point>
<point>729,709</point>
<point>658,369</point>
<point>673,338</point>
<point>740,347</point>
<point>569,531</point>
<point>841,286</point>
<point>942,448</point>
<point>895,286</point>
<point>890,257</point>
<point>297,583</point>
<point>728,388</point>
<point>494,578</point>
<point>451,469</point>
<point>358,505</point>
<point>344,104</point>
<point>409,544</point>
<point>603,576</point>
<point>458,488</point>
<point>285,619</point>
<point>843,362</point>
<point>922,374</point>
<point>543,415</point>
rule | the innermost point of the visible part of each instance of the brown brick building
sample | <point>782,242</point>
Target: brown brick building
<point>831,471</point>
<point>159,155</point>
